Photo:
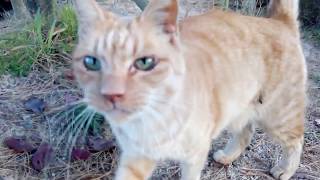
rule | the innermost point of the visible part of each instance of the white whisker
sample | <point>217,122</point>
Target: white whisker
<point>74,122</point>
<point>73,139</point>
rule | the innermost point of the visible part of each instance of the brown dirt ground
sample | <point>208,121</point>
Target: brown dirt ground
<point>254,164</point>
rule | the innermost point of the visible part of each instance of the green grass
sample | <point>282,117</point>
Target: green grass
<point>17,54</point>
<point>37,43</point>
<point>68,21</point>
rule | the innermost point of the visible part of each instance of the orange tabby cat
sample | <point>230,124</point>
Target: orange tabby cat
<point>167,88</point>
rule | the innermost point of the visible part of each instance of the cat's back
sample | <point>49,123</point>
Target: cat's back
<point>243,41</point>
<point>235,30</point>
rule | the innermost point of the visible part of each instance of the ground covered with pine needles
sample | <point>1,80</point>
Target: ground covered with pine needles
<point>50,82</point>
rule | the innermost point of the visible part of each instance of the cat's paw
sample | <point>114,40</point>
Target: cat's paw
<point>222,158</point>
<point>280,173</point>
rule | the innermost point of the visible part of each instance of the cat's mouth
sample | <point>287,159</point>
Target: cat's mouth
<point>114,110</point>
<point>117,114</point>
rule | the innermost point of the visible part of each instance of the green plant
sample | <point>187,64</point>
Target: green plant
<point>24,47</point>
<point>17,55</point>
<point>38,43</point>
<point>68,24</point>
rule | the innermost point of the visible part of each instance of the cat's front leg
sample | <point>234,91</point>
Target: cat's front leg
<point>192,168</point>
<point>134,168</point>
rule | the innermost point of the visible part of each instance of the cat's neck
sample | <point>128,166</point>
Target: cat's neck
<point>154,127</point>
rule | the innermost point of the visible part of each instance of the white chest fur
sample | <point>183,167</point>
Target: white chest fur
<point>166,136</point>
<point>149,136</point>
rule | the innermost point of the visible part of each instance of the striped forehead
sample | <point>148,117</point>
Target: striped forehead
<point>118,42</point>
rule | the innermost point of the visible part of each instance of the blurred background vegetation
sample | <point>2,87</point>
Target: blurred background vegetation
<point>310,19</point>
<point>47,29</point>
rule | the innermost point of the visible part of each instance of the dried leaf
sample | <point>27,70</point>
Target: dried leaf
<point>35,105</point>
<point>41,157</point>
<point>80,154</point>
<point>19,144</point>
<point>97,143</point>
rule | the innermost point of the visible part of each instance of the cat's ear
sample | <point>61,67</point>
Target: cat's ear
<point>88,13</point>
<point>163,14</point>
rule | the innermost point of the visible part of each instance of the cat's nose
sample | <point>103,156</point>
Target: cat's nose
<point>113,98</point>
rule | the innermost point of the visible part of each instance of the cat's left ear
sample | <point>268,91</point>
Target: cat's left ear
<point>163,14</point>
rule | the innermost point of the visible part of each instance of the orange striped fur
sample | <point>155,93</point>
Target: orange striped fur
<point>216,71</point>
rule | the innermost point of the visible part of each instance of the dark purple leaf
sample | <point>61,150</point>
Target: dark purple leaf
<point>42,156</point>
<point>96,143</point>
<point>18,144</point>
<point>35,105</point>
<point>80,154</point>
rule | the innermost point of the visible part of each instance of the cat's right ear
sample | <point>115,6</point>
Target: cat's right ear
<point>88,13</point>
<point>163,14</point>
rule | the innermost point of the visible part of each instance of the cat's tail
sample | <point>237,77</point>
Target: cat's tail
<point>284,10</point>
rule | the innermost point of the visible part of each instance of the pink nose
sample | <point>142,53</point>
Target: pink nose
<point>113,98</point>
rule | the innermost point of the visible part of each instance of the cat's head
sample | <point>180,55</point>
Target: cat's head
<point>126,67</point>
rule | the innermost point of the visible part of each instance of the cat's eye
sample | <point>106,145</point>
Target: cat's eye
<point>145,63</point>
<point>92,63</point>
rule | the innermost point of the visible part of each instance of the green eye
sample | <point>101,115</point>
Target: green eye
<point>145,63</point>
<point>92,63</point>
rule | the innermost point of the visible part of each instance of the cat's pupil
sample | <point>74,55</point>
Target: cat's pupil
<point>92,63</point>
<point>145,64</point>
<point>146,61</point>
